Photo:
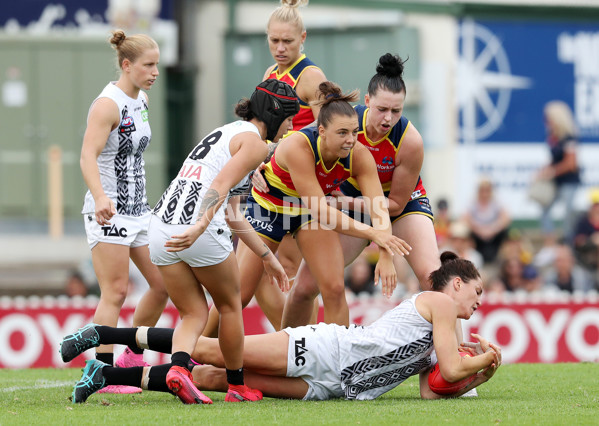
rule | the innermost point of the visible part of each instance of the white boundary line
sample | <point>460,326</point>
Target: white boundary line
<point>40,385</point>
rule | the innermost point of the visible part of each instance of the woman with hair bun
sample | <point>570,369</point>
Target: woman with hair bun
<point>286,35</point>
<point>397,149</point>
<point>307,166</point>
<point>328,361</point>
<point>190,243</point>
<point>116,211</point>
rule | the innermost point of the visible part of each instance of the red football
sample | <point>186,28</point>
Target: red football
<point>441,386</point>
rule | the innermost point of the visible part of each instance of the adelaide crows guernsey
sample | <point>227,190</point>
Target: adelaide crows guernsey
<point>282,196</point>
<point>384,152</point>
<point>291,76</point>
<point>121,162</point>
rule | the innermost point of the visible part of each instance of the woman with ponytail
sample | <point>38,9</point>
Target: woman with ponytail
<point>190,242</point>
<point>286,35</point>
<point>397,149</point>
<point>307,166</point>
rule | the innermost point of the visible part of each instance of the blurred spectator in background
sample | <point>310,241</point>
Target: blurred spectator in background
<point>563,169</point>
<point>75,286</point>
<point>442,222</point>
<point>586,237</point>
<point>516,270</point>
<point>515,275</point>
<point>564,274</point>
<point>359,276</point>
<point>516,246</point>
<point>461,243</point>
<point>488,221</point>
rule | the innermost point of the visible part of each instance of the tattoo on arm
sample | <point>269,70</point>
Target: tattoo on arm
<point>263,255</point>
<point>209,201</point>
<point>271,151</point>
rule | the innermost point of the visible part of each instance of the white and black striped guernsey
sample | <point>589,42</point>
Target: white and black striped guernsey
<point>121,162</point>
<point>180,203</point>
<point>376,358</point>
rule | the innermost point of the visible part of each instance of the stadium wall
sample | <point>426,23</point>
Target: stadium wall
<point>548,329</point>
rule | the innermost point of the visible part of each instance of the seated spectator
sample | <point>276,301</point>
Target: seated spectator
<point>531,279</point>
<point>515,275</point>
<point>518,246</point>
<point>75,285</point>
<point>488,222</point>
<point>564,274</point>
<point>460,242</point>
<point>359,276</point>
<point>442,222</point>
<point>586,236</point>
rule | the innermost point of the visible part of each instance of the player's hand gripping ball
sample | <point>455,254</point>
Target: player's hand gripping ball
<point>442,387</point>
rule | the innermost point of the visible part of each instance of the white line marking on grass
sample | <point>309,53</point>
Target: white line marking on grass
<point>38,385</point>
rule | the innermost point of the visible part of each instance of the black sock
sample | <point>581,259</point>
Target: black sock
<point>121,336</point>
<point>160,339</point>
<point>235,377</point>
<point>105,357</point>
<point>123,376</point>
<point>180,359</point>
<point>157,378</point>
<point>135,349</point>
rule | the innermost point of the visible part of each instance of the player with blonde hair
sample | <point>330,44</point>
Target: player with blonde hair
<point>116,211</point>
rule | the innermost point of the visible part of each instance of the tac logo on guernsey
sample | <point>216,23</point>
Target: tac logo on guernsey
<point>300,349</point>
<point>113,231</point>
<point>127,125</point>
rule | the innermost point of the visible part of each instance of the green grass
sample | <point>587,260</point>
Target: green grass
<point>518,394</point>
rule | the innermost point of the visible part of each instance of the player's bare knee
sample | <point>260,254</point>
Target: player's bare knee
<point>116,296</point>
<point>333,290</point>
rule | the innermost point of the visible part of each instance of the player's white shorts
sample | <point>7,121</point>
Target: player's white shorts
<point>129,231</point>
<point>313,355</point>
<point>211,248</point>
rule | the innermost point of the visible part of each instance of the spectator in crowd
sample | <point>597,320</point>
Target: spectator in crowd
<point>565,274</point>
<point>442,222</point>
<point>460,242</point>
<point>563,168</point>
<point>75,285</point>
<point>359,276</point>
<point>516,246</point>
<point>586,236</point>
<point>488,220</point>
<point>515,275</point>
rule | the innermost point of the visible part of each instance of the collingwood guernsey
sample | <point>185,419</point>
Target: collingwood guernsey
<point>180,203</point>
<point>376,358</point>
<point>121,162</point>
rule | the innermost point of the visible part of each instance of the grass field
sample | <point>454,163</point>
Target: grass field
<point>518,394</point>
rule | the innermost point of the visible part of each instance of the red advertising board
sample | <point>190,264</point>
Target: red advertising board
<point>564,331</point>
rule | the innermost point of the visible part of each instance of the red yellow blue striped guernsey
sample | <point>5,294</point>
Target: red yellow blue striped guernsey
<point>291,76</point>
<point>384,152</point>
<point>282,196</point>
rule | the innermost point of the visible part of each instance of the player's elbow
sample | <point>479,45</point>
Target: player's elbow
<point>451,374</point>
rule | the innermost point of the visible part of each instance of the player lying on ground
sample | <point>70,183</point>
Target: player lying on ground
<point>323,361</point>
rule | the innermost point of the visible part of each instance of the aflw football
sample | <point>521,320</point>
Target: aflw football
<point>442,387</point>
